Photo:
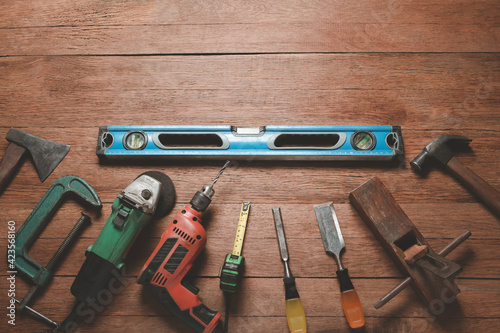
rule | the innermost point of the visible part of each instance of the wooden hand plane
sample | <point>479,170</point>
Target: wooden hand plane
<point>431,273</point>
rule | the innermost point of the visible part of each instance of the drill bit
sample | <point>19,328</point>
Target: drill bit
<point>220,173</point>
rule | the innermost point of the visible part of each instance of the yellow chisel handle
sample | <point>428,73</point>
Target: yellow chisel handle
<point>295,314</point>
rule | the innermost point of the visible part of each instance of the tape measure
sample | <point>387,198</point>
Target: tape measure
<point>242,226</point>
<point>230,272</point>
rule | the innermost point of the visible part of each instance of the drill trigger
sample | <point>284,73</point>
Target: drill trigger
<point>189,286</point>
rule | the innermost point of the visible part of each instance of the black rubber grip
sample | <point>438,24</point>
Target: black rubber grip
<point>155,263</point>
<point>200,311</point>
<point>200,201</point>
<point>344,280</point>
<point>94,276</point>
<point>290,288</point>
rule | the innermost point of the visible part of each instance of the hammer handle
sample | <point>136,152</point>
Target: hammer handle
<point>489,195</point>
<point>10,161</point>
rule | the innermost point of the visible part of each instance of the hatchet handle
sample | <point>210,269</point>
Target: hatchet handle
<point>9,163</point>
<point>489,195</point>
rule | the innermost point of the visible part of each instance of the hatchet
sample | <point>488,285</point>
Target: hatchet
<point>46,155</point>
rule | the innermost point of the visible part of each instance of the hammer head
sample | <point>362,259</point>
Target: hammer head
<point>46,154</point>
<point>439,150</point>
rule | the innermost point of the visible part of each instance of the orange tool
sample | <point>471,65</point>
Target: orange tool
<point>165,270</point>
<point>334,244</point>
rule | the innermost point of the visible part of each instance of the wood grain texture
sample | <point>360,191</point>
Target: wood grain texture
<point>432,67</point>
<point>416,91</point>
<point>96,27</point>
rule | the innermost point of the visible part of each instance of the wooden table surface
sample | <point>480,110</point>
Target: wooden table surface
<point>432,67</point>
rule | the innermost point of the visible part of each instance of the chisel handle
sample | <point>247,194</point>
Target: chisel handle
<point>350,301</point>
<point>295,314</point>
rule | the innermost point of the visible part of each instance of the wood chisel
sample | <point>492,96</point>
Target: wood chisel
<point>230,272</point>
<point>334,244</point>
<point>294,310</point>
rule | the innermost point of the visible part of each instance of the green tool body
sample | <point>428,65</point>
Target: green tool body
<point>133,209</point>
<point>231,272</point>
<point>113,241</point>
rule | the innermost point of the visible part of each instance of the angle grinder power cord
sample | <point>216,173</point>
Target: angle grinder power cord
<point>150,196</point>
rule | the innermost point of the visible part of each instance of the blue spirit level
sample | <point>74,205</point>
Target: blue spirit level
<point>293,142</point>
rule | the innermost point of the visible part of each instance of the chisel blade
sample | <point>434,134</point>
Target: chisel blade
<point>280,232</point>
<point>330,229</point>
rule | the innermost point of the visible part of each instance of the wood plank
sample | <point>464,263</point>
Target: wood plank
<point>318,182</point>
<point>257,300</point>
<point>433,68</point>
<point>254,90</point>
<point>364,256</point>
<point>436,221</point>
<point>93,12</point>
<point>94,27</point>
<point>278,324</point>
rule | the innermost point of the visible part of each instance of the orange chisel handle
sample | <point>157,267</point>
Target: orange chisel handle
<point>350,301</point>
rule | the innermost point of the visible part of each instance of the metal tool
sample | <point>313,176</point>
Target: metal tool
<point>334,244</point>
<point>150,196</point>
<point>83,222</point>
<point>233,265</point>
<point>38,314</point>
<point>230,272</point>
<point>431,273</point>
<point>440,151</point>
<point>38,275</point>
<point>46,155</point>
<point>164,272</point>
<point>310,142</point>
<point>295,314</point>
<point>407,282</point>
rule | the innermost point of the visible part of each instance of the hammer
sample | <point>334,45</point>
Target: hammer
<point>439,150</point>
<point>46,155</point>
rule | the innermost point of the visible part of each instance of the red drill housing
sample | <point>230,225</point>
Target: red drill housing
<point>163,273</point>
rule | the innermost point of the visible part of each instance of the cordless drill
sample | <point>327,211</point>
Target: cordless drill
<point>150,196</point>
<point>179,246</point>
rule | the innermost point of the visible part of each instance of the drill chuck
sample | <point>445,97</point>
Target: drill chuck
<point>202,199</point>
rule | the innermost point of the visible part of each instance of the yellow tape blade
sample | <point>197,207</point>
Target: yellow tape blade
<point>242,226</point>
